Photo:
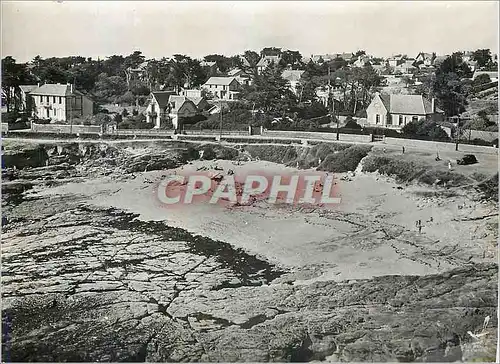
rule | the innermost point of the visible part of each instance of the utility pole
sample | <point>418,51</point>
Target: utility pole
<point>220,132</point>
<point>70,98</point>
<point>458,133</point>
<point>330,96</point>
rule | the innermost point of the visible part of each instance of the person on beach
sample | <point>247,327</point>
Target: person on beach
<point>403,149</point>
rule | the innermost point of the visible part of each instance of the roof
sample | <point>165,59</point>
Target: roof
<point>244,61</point>
<point>407,104</point>
<point>292,75</point>
<point>28,88</point>
<point>325,57</point>
<point>234,72</point>
<point>162,97</point>
<point>196,100</point>
<point>178,102</point>
<point>220,81</point>
<point>424,55</point>
<point>51,89</point>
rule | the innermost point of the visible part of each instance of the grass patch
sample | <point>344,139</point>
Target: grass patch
<point>410,171</point>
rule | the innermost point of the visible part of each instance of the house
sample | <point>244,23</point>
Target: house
<point>60,102</point>
<point>293,77</point>
<point>395,111</point>
<point>320,58</point>
<point>137,73</point>
<point>197,97</point>
<point>492,74</point>
<point>407,66</point>
<point>167,105</point>
<point>362,61</point>
<point>26,102</point>
<point>346,56</point>
<point>209,67</point>
<point>225,88</point>
<point>395,61</point>
<point>425,59</point>
<point>266,61</point>
<point>240,76</point>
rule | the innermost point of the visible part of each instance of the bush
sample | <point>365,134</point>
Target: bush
<point>351,123</point>
<point>135,112</point>
<point>101,119</point>
<point>118,118</point>
<point>345,160</point>
<point>424,129</point>
<point>10,117</point>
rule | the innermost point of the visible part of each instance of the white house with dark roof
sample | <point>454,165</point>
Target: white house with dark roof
<point>395,111</point>
<point>240,76</point>
<point>60,102</point>
<point>167,105</point>
<point>225,88</point>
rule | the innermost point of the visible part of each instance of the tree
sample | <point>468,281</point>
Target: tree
<point>250,66</point>
<point>223,63</point>
<point>449,85</point>
<point>109,89</point>
<point>482,57</point>
<point>13,75</point>
<point>270,92</point>
<point>291,58</point>
<point>359,53</point>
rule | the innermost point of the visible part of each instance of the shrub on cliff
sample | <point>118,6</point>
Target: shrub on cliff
<point>345,160</point>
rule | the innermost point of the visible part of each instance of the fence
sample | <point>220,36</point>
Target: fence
<point>318,136</point>
<point>439,146</point>
<point>66,129</point>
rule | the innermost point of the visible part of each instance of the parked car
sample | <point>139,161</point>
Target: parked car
<point>467,159</point>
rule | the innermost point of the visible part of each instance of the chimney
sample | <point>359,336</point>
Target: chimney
<point>433,105</point>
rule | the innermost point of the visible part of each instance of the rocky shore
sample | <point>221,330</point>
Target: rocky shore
<point>83,282</point>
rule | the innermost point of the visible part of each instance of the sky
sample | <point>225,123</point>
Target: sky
<point>162,28</point>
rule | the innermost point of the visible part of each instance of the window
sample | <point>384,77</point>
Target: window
<point>60,99</point>
<point>53,99</point>
<point>377,119</point>
<point>389,119</point>
<point>400,119</point>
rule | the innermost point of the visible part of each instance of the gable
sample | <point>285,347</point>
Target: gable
<point>377,105</point>
<point>187,106</point>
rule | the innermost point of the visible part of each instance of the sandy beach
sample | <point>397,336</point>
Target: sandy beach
<point>371,232</point>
